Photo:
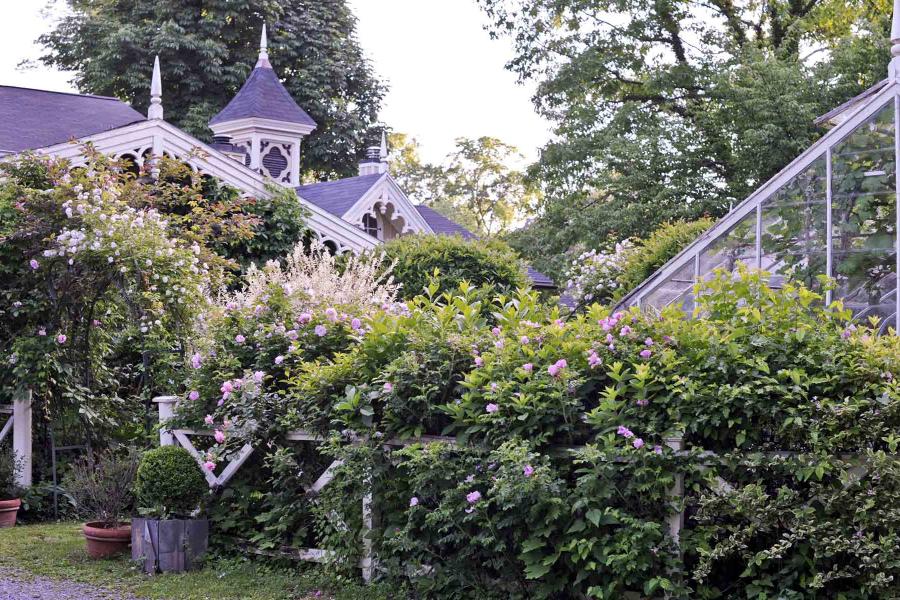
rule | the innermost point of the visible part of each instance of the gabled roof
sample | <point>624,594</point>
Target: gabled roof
<point>838,114</point>
<point>263,97</point>
<point>442,225</point>
<point>337,197</point>
<point>31,119</point>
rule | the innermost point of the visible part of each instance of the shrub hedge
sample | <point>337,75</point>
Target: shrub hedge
<point>480,262</point>
<point>169,484</point>
<point>559,483</point>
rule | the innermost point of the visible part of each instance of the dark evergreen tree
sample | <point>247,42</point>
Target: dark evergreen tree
<point>207,49</point>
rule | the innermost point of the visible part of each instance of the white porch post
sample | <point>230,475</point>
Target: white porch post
<point>22,436</point>
<point>676,521</point>
<point>166,405</point>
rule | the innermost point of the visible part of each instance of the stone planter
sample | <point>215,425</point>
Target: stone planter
<point>103,541</point>
<point>169,545</point>
<point>8,511</point>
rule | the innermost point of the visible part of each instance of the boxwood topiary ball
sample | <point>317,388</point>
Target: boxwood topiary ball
<point>169,483</point>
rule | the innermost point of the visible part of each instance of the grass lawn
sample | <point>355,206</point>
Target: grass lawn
<point>56,551</point>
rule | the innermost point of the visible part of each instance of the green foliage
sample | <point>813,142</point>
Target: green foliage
<point>282,225</point>
<point>100,485</point>
<point>169,483</point>
<point>677,109</point>
<point>563,428</point>
<point>416,258</point>
<point>10,466</point>
<point>207,55</point>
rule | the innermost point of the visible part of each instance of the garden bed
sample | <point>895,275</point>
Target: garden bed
<point>56,552</point>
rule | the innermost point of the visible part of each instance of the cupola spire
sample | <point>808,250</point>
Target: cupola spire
<point>263,50</point>
<point>894,68</point>
<point>383,154</point>
<point>156,110</point>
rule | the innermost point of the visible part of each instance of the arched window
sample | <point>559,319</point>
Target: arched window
<point>370,225</point>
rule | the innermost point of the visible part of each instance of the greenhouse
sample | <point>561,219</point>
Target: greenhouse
<point>831,212</point>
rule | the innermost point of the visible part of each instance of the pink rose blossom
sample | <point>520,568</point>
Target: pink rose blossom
<point>331,314</point>
<point>226,388</point>
<point>304,318</point>
<point>258,376</point>
<point>279,359</point>
<point>208,419</point>
<point>496,331</point>
<point>209,466</point>
<point>34,264</point>
<point>240,339</point>
<point>646,353</point>
<point>413,501</point>
<point>388,386</point>
<point>321,331</point>
<point>553,370</point>
<point>528,471</point>
<point>624,432</point>
<point>638,443</point>
<point>221,401</point>
<point>528,367</point>
<point>61,339</point>
<point>196,360</point>
<point>355,324</point>
<point>626,330</point>
<point>473,497</point>
<point>524,340</point>
<point>42,331</point>
<point>648,341</point>
<point>219,435</point>
<point>194,395</point>
<point>491,408</point>
<point>479,362</point>
<point>657,449</point>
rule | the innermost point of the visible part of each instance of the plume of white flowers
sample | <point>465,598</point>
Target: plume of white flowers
<point>314,278</point>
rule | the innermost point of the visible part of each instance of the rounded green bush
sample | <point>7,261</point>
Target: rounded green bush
<point>416,257</point>
<point>169,483</point>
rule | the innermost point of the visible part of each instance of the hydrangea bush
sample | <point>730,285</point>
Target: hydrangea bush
<point>560,478</point>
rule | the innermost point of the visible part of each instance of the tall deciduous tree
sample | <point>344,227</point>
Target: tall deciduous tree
<point>675,108</point>
<point>208,47</point>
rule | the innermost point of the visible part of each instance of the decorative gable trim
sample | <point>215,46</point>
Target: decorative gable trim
<point>385,195</point>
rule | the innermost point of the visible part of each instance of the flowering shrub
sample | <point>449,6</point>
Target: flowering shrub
<point>97,286</point>
<point>594,275</point>
<point>560,481</point>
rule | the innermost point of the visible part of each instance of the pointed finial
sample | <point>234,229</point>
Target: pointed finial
<point>383,154</point>
<point>894,69</point>
<point>156,110</point>
<point>263,49</point>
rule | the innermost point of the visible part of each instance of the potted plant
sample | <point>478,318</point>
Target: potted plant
<point>100,487</point>
<point>10,491</point>
<point>169,489</point>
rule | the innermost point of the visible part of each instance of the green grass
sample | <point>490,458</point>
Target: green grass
<point>56,551</point>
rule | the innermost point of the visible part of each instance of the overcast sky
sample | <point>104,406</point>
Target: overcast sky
<point>446,75</point>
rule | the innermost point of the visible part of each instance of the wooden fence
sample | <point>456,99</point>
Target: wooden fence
<point>16,421</point>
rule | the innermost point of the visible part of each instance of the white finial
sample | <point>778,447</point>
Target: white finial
<point>383,153</point>
<point>894,69</point>
<point>263,48</point>
<point>156,110</point>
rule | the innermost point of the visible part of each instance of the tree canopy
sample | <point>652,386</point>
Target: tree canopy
<point>677,108</point>
<point>207,50</point>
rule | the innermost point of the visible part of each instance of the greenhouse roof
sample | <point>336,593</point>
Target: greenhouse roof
<point>832,211</point>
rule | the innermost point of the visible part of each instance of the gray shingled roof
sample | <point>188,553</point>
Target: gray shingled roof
<point>263,96</point>
<point>337,197</point>
<point>31,119</point>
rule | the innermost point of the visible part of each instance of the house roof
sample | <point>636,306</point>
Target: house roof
<point>31,119</point>
<point>337,197</point>
<point>263,96</point>
<point>839,113</point>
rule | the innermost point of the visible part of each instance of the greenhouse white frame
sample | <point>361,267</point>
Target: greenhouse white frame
<point>674,281</point>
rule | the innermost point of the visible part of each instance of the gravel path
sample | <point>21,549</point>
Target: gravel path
<point>18,585</point>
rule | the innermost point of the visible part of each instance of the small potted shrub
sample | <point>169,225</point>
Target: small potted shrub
<point>169,489</point>
<point>10,491</point>
<point>100,487</point>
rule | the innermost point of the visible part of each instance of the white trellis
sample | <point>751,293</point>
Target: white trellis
<point>18,423</point>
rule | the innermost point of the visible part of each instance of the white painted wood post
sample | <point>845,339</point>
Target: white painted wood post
<point>22,436</point>
<point>166,406</point>
<point>366,562</point>
<point>676,521</point>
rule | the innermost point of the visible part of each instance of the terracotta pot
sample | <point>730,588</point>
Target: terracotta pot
<point>8,510</point>
<point>103,541</point>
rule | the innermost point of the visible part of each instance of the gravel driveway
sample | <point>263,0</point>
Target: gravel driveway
<point>18,585</point>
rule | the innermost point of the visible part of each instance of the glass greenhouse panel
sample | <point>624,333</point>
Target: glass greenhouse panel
<point>864,218</point>
<point>736,245</point>
<point>676,289</point>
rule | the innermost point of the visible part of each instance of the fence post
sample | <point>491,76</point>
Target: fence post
<point>676,521</point>
<point>166,405</point>
<point>367,563</point>
<point>22,436</point>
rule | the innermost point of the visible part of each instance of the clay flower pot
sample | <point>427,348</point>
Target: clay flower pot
<point>8,510</point>
<point>104,541</point>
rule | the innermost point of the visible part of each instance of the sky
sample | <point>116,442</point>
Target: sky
<point>446,76</point>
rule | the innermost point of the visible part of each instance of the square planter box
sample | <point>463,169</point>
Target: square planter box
<point>170,545</point>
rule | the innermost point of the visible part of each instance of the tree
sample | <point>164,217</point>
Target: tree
<point>476,186</point>
<point>207,50</point>
<point>677,108</point>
